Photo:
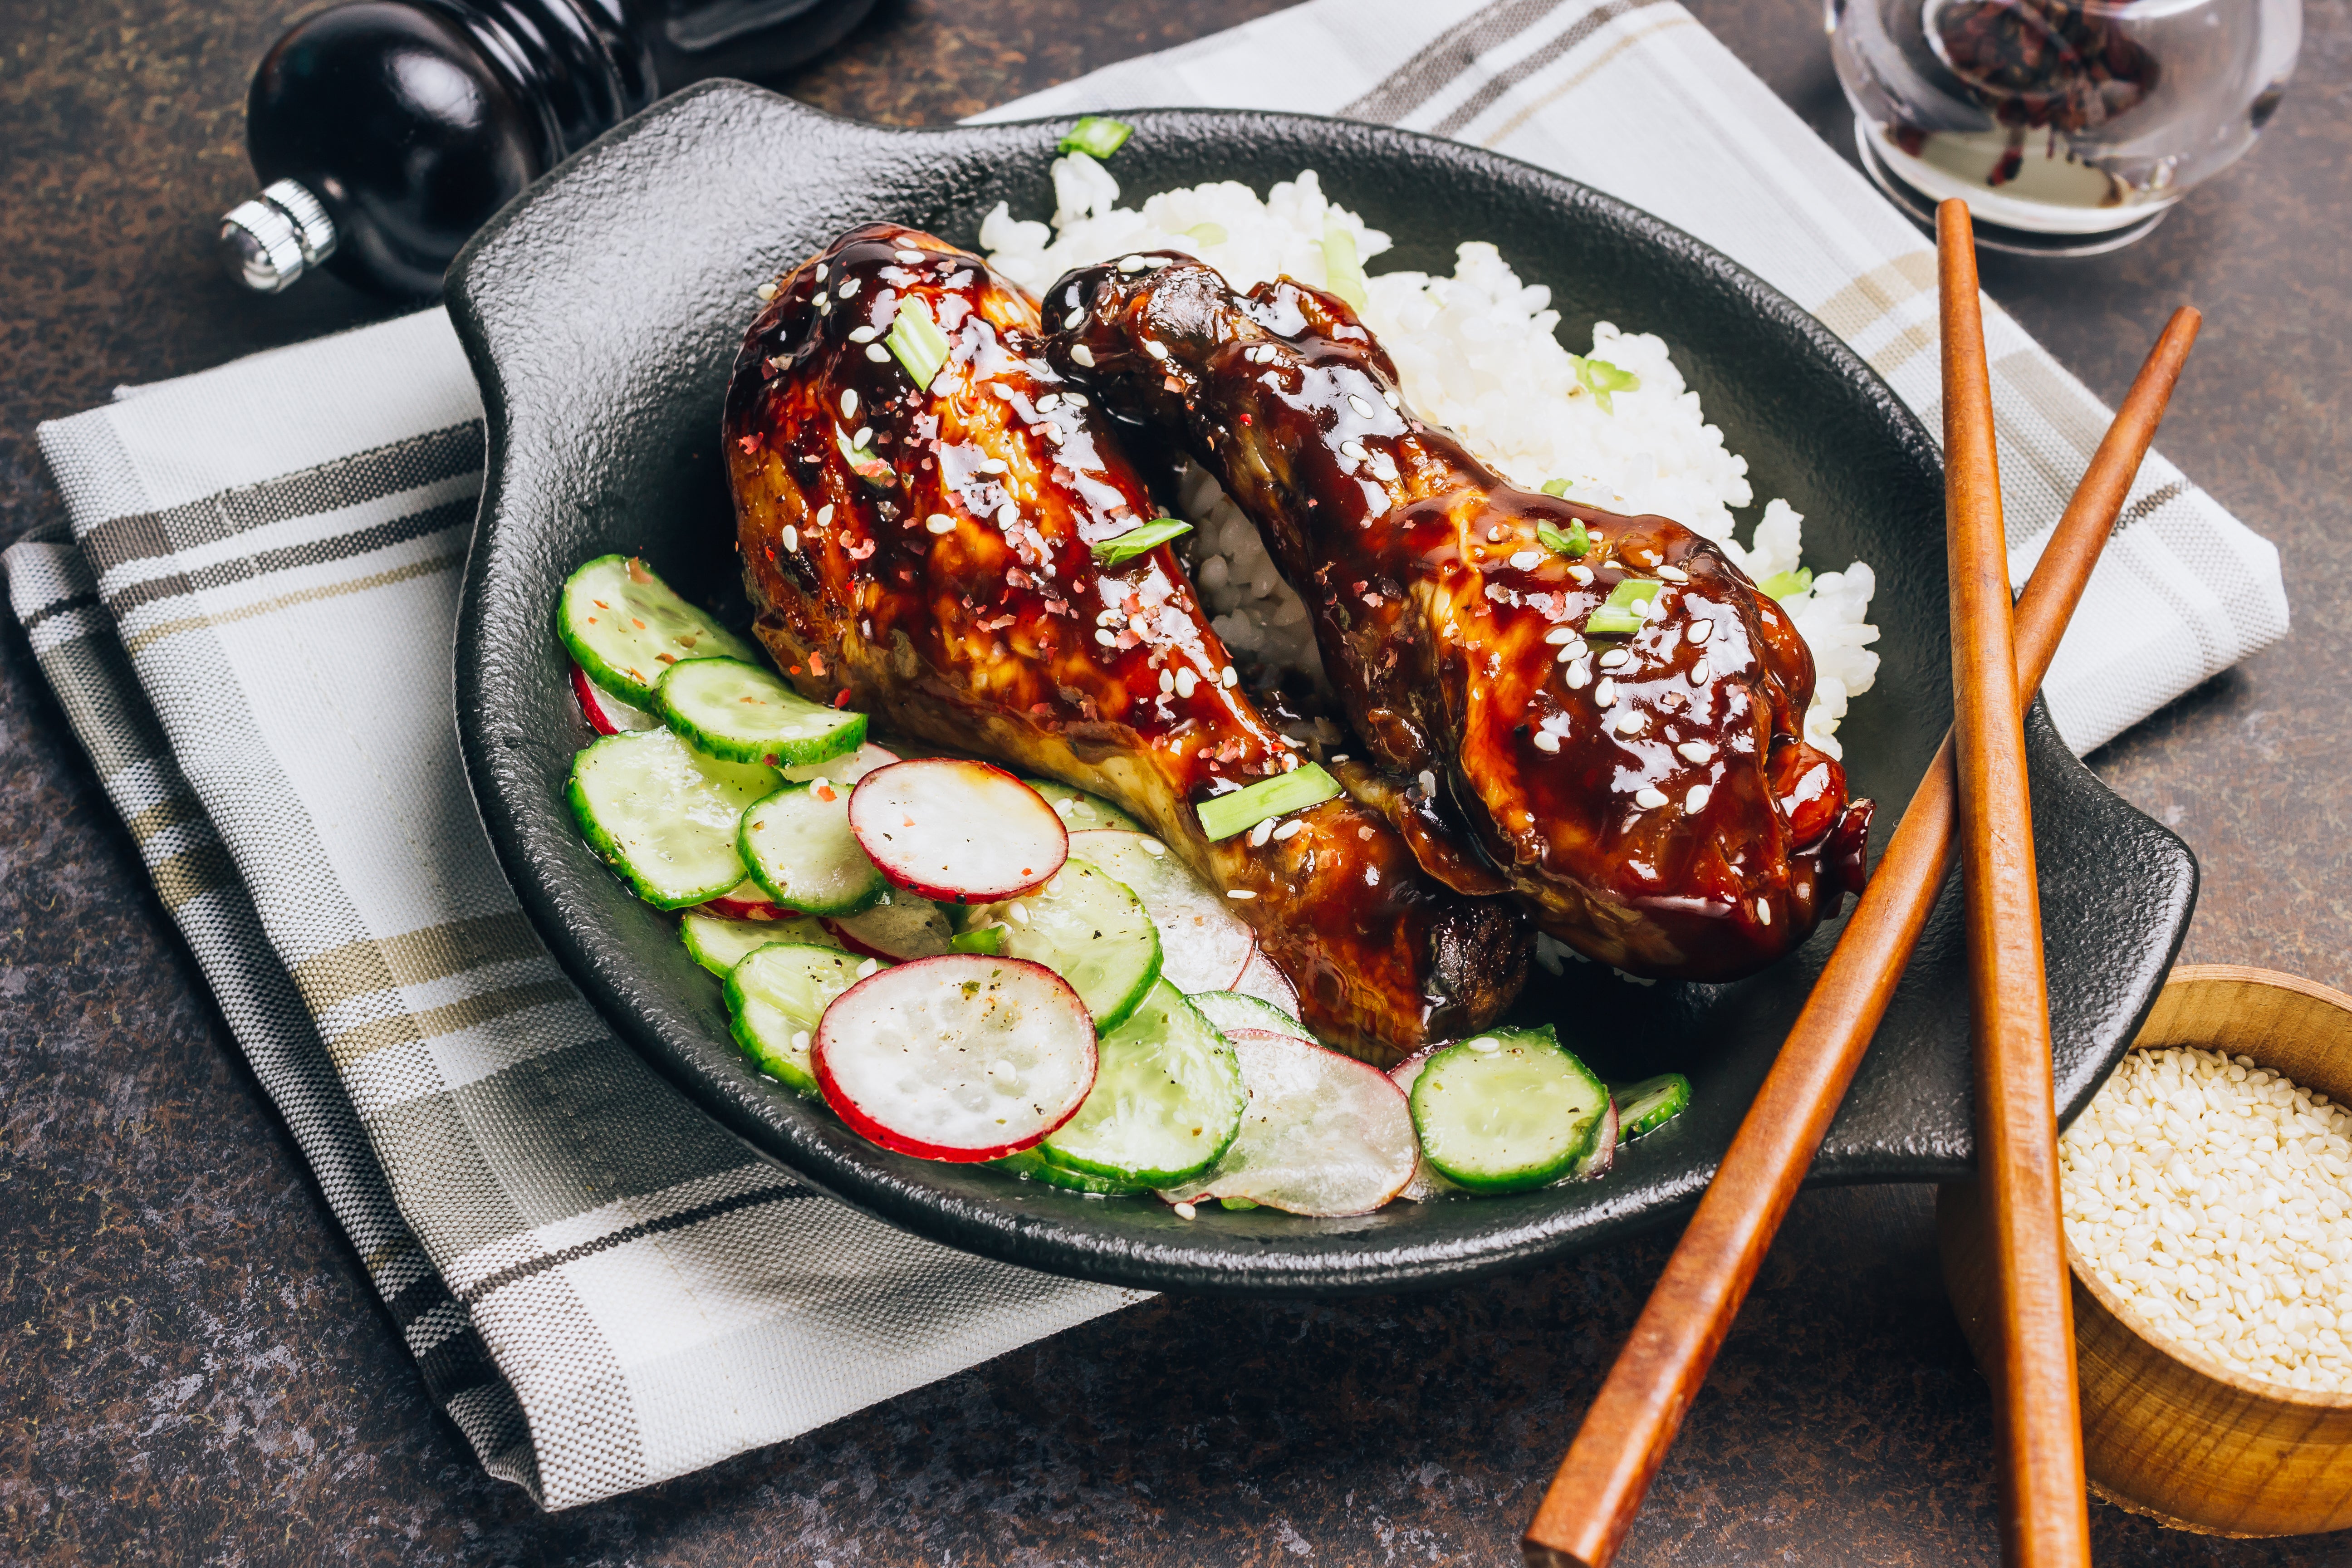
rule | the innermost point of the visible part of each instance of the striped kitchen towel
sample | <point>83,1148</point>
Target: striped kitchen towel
<point>249,629</point>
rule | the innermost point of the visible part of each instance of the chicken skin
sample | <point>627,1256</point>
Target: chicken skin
<point>935,554</point>
<point>1600,712</point>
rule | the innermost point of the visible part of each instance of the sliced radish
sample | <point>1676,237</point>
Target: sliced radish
<point>1426,1183</point>
<point>1324,1133</point>
<point>607,715</point>
<point>901,927</point>
<point>1203,945</point>
<point>747,900</point>
<point>845,769</point>
<point>1263,979</point>
<point>963,831</point>
<point>959,1058</point>
<point>1603,1152</point>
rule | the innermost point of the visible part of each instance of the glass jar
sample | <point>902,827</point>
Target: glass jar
<point>2068,126</point>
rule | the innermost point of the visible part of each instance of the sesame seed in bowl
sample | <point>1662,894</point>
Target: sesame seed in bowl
<point>2207,1194</point>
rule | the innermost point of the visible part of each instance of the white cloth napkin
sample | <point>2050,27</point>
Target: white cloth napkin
<point>249,629</point>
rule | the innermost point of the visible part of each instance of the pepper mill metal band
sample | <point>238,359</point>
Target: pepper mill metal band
<point>270,241</point>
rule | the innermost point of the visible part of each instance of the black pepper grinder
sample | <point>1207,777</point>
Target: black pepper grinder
<point>387,131</point>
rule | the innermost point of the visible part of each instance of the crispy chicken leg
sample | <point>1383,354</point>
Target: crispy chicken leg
<point>924,553</point>
<point>1646,791</point>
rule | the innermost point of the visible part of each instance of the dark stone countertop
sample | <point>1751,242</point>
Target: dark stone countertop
<point>195,1369</point>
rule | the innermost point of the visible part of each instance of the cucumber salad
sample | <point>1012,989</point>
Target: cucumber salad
<point>965,965</point>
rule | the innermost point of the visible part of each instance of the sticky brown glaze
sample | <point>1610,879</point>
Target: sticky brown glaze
<point>1649,795</point>
<point>924,555</point>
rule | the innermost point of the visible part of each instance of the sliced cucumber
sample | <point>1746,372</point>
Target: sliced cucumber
<point>1203,945</point>
<point>1085,927</point>
<point>718,944</point>
<point>1646,1106</point>
<point>725,708</point>
<point>663,815</point>
<point>1167,1098</point>
<point>624,627</point>
<point>1507,1110</point>
<point>1230,1010</point>
<point>899,927</point>
<point>798,845</point>
<point>1082,810</point>
<point>1030,1165</point>
<point>848,769</point>
<point>776,998</point>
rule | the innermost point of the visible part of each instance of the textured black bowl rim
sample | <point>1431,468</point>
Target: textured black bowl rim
<point>1046,1229</point>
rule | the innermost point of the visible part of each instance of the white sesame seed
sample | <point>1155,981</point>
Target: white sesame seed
<point>1583,576</point>
<point>1260,833</point>
<point>766,291</point>
<point>1649,798</point>
<point>1242,893</point>
<point>1560,634</point>
<point>1577,674</point>
<point>1078,313</point>
<point>1167,681</point>
<point>1699,673</point>
<point>790,537</point>
<point>1230,676</point>
<point>1107,638</point>
<point>1290,829</point>
<point>877,353</point>
<point>911,258</point>
<point>821,268</point>
<point>1605,694</point>
<point>1573,652</point>
<point>1698,631</point>
<point>1186,1211</point>
<point>1045,403</point>
<point>1616,658</point>
<point>867,968</point>
<point>1673,574</point>
<point>1008,517</point>
<point>1153,347</point>
<point>824,515</point>
<point>1075,399</point>
<point>1527,559</point>
<point>1764,911</point>
<point>846,287</point>
<point>1547,741</point>
<point>1695,800</point>
<point>863,334</point>
<point>1186,678</point>
<point>1695,750</point>
<point>1391,399</point>
<point>1132,264</point>
<point>940,522</point>
<point>865,435</point>
<point>1152,846</point>
<point>1630,722</point>
<point>1081,354</point>
<point>1352,449</point>
<point>849,402</point>
<point>1338,756</point>
<point>1486,1045</point>
<point>1363,409</point>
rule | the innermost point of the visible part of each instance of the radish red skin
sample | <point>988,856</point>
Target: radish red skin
<point>732,909</point>
<point>593,704</point>
<point>863,1123</point>
<point>1009,808</point>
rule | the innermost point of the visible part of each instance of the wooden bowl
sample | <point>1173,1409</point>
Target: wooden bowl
<point>2168,1431</point>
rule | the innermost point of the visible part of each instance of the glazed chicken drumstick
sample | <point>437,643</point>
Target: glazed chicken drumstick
<point>1600,711</point>
<point>926,553</point>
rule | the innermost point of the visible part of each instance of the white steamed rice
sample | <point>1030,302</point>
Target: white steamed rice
<point>1478,354</point>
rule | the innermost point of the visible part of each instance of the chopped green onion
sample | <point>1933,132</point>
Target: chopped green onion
<point>1555,487</point>
<point>864,462</point>
<point>1126,547</point>
<point>1097,136</point>
<point>1781,585</point>
<point>1621,616</point>
<point>1343,274</point>
<point>918,341</point>
<point>988,941</point>
<point>1226,814</point>
<point>1209,233</point>
<point>1573,543</point>
<point>1601,378</point>
<point>1238,1202</point>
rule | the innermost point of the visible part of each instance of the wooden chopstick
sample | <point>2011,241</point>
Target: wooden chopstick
<point>2045,1519</point>
<point>1633,1421</point>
